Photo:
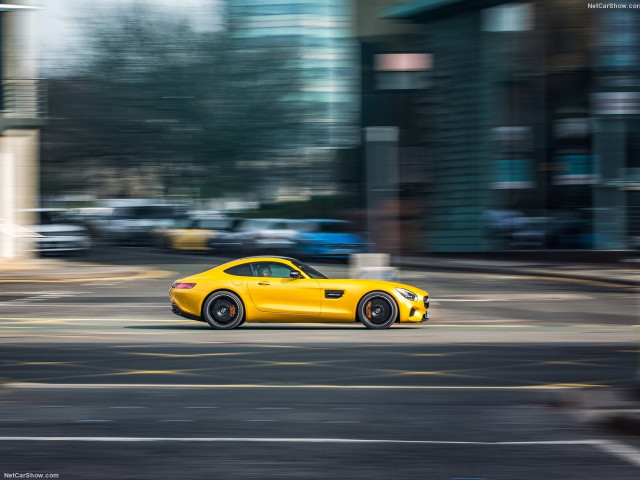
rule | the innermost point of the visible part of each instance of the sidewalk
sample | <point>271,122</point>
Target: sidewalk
<point>59,270</point>
<point>624,274</point>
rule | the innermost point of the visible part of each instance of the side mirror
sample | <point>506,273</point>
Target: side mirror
<point>295,274</point>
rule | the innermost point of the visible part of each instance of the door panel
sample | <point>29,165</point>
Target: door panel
<point>286,295</point>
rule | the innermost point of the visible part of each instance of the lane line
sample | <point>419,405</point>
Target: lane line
<point>93,421</point>
<point>81,386</point>
<point>624,452</point>
<point>595,442</point>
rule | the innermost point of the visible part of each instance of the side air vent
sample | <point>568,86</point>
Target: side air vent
<point>333,293</point>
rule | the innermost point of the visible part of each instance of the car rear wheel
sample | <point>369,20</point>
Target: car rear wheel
<point>377,310</point>
<point>223,310</point>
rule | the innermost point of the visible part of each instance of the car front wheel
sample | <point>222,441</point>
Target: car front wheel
<point>223,310</point>
<point>377,310</point>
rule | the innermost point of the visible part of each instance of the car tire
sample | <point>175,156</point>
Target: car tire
<point>223,310</point>
<point>377,310</point>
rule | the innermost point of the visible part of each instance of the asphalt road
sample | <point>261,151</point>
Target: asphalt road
<point>100,380</point>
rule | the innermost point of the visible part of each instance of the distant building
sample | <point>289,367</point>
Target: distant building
<point>319,71</point>
<point>22,106</point>
<point>532,110</point>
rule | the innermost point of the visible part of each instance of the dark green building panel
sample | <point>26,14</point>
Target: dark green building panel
<point>456,134</point>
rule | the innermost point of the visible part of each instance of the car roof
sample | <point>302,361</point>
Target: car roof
<point>269,257</point>
<point>325,220</point>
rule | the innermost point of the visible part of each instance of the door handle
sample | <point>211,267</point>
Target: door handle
<point>264,283</point>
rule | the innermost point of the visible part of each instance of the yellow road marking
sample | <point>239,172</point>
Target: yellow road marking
<point>424,373</point>
<point>187,355</point>
<point>42,363</point>
<point>289,363</point>
<point>147,372</point>
<point>550,386</point>
<point>563,362</point>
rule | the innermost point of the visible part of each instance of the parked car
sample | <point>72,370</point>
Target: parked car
<point>260,235</point>
<point>325,238</point>
<point>134,221</point>
<point>194,234</point>
<point>56,234</point>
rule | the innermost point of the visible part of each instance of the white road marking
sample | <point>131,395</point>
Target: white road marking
<point>515,297</point>
<point>93,421</point>
<point>261,420</point>
<point>42,297</point>
<point>594,442</point>
<point>88,386</point>
<point>621,450</point>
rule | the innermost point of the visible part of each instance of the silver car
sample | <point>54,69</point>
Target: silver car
<point>55,233</point>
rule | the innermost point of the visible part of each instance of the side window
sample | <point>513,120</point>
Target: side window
<point>271,269</point>
<point>243,270</point>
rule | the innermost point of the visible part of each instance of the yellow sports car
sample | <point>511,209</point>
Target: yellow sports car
<point>194,234</point>
<point>283,289</point>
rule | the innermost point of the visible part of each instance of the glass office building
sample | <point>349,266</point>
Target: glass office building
<point>319,67</point>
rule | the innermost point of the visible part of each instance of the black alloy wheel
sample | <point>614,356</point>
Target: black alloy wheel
<point>377,310</point>
<point>223,310</point>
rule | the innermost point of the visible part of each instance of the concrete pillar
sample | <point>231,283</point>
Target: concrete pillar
<point>383,213</point>
<point>19,45</point>
<point>19,190</point>
<point>609,200</point>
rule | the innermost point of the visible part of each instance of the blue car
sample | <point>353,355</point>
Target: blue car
<point>324,238</point>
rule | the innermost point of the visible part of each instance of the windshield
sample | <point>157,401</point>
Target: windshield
<point>309,271</point>
<point>52,217</point>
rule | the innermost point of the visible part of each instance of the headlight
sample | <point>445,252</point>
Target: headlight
<point>407,294</point>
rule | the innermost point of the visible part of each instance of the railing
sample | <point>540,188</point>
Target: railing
<point>23,98</point>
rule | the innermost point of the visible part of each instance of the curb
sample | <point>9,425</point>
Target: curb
<point>512,270</point>
<point>93,273</point>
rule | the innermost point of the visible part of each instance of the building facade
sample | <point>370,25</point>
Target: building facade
<point>530,121</point>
